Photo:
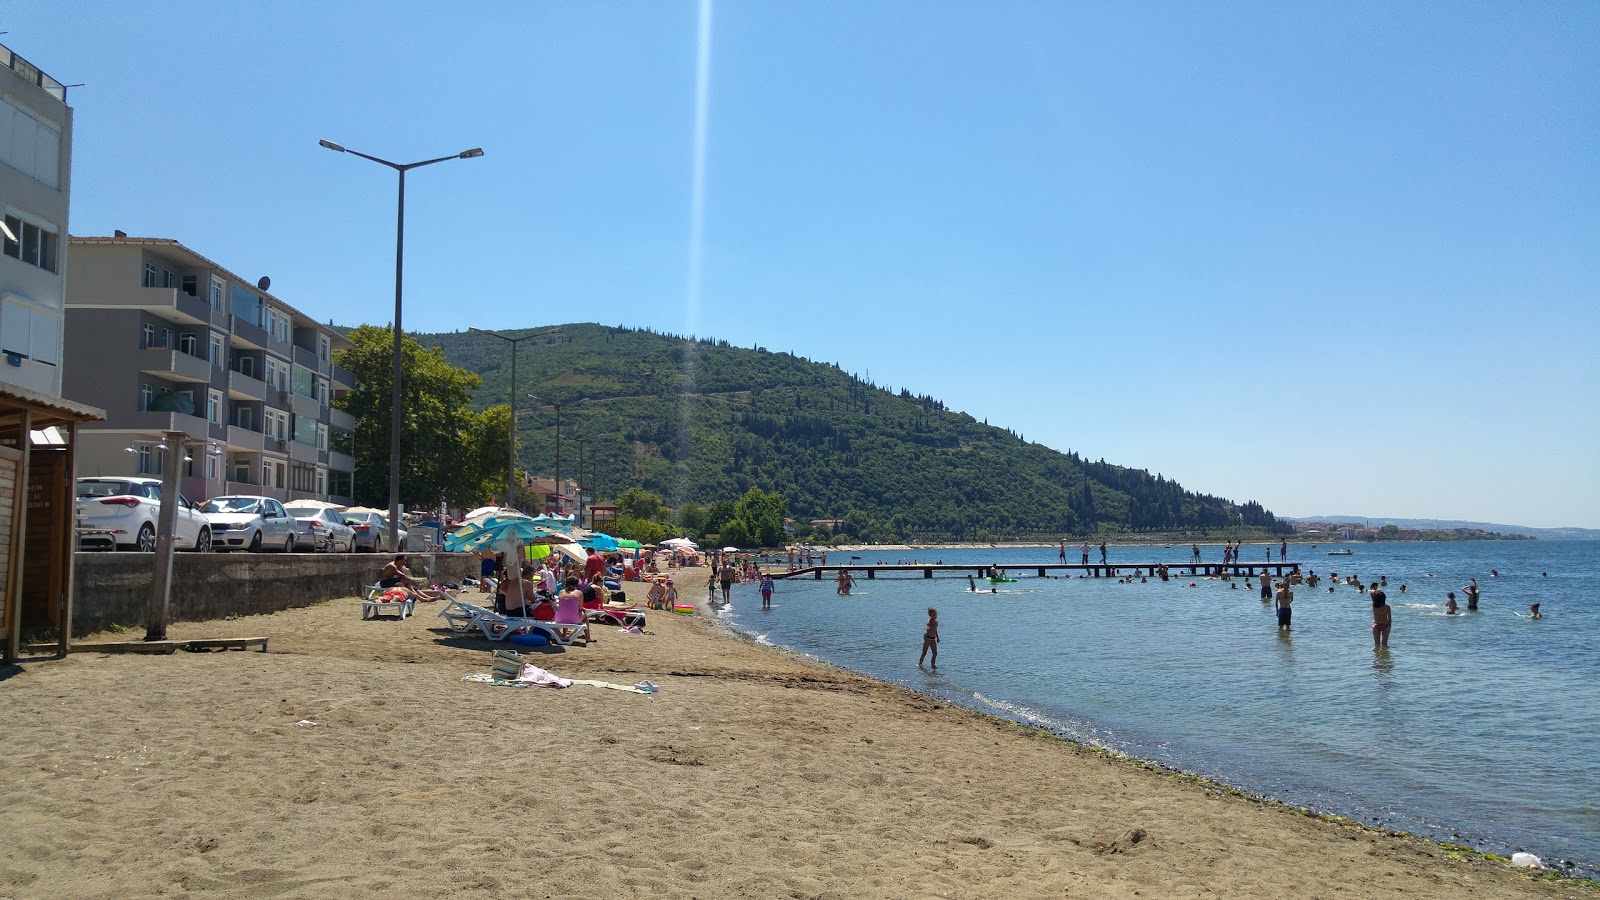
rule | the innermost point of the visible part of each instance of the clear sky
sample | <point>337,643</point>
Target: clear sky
<point>1337,258</point>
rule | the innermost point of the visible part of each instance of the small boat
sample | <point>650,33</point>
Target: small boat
<point>1341,552</point>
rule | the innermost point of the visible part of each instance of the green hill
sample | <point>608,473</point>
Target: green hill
<point>701,421</point>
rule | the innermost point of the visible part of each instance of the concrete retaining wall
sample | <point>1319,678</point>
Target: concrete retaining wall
<point>113,589</point>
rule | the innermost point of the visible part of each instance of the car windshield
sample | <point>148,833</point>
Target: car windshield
<point>108,489</point>
<point>232,505</point>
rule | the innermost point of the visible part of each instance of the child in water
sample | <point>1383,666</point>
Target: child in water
<point>1533,611</point>
<point>1382,619</point>
<point>1450,607</point>
<point>930,638</point>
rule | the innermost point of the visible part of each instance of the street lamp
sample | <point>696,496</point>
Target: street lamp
<point>399,274</point>
<point>511,462</point>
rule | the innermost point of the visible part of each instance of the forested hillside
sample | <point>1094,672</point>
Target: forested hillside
<point>698,421</point>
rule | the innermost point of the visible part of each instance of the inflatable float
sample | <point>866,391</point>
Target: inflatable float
<point>679,608</point>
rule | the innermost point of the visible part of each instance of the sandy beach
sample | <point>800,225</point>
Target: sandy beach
<point>353,761</point>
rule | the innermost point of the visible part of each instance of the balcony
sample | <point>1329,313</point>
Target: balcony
<point>241,438</point>
<point>343,377</point>
<point>256,490</point>
<point>247,333</point>
<point>274,445</point>
<point>153,421</point>
<point>341,462</point>
<point>341,420</point>
<point>307,358</point>
<point>175,365</point>
<point>302,452</point>
<point>244,387</point>
<point>305,407</point>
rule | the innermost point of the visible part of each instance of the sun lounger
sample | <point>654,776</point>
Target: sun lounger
<point>631,616</point>
<point>460,615</point>
<point>374,605</point>
<point>497,627</point>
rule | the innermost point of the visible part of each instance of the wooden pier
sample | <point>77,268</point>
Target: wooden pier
<point>1042,570</point>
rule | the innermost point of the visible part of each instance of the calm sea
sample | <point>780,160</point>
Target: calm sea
<point>1478,728</point>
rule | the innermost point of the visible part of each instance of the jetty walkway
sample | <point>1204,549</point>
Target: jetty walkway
<point>1042,570</point>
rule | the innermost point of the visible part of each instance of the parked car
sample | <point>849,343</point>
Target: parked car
<point>372,532</point>
<point>322,528</point>
<point>250,523</point>
<point>123,514</point>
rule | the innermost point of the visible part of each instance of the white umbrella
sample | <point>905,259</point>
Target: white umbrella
<point>679,542</point>
<point>730,549</point>
<point>577,553</point>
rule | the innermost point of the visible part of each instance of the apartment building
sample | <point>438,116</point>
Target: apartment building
<point>37,426</point>
<point>164,339</point>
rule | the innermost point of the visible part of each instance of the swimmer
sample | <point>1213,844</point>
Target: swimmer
<point>972,584</point>
<point>1234,586</point>
<point>1533,612</point>
<point>1544,574</point>
<point>1451,607</point>
<point>1402,589</point>
<point>1472,594</point>
<point>1494,573</point>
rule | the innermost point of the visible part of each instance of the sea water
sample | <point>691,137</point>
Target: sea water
<point>1478,728</point>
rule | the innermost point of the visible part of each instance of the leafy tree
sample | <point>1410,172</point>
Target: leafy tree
<point>692,519</point>
<point>762,516</point>
<point>445,447</point>
<point>735,534</point>
<point>640,503</point>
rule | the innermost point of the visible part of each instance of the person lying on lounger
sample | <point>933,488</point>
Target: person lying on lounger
<point>396,577</point>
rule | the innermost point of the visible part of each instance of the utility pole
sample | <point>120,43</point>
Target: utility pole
<point>166,523</point>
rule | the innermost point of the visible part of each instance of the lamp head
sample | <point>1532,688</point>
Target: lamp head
<point>474,153</point>
<point>332,146</point>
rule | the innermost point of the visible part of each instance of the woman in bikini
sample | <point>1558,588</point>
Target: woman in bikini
<point>930,638</point>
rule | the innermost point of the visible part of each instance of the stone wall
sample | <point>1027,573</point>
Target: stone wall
<point>113,589</point>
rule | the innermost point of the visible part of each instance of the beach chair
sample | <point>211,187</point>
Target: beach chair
<point>374,605</point>
<point>622,618</point>
<point>497,627</point>
<point>460,615</point>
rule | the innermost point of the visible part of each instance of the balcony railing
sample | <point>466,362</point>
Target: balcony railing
<point>31,74</point>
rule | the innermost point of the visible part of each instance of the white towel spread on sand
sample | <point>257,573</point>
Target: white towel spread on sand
<point>535,675</point>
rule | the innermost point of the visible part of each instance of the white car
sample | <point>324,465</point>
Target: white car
<point>322,528</point>
<point>123,514</point>
<point>250,523</point>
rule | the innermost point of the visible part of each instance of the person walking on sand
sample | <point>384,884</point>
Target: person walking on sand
<point>1382,617</point>
<point>766,591</point>
<point>930,638</point>
<point>1285,599</point>
<point>1471,591</point>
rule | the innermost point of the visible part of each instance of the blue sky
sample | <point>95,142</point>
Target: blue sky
<point>1338,258</point>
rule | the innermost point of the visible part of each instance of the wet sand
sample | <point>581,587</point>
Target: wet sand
<point>751,774</point>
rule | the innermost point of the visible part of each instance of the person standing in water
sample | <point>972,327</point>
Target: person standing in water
<point>766,591</point>
<point>845,583</point>
<point>930,638</point>
<point>972,583</point>
<point>1382,617</point>
<point>1471,591</point>
<point>1285,598</point>
<point>1450,607</point>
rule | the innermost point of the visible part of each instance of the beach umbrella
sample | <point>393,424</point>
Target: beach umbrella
<point>679,542</point>
<point>366,509</point>
<point>503,533</point>
<point>730,549</point>
<point>604,543</point>
<point>626,544</point>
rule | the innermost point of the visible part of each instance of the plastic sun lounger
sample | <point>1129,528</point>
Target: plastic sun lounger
<point>460,615</point>
<point>497,627</point>
<point>619,617</point>
<point>374,606</point>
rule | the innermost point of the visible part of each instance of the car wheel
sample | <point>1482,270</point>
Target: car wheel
<point>147,538</point>
<point>255,542</point>
<point>202,544</point>
<point>288,543</point>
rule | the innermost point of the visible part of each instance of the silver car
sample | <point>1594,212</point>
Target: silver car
<point>372,532</point>
<point>250,523</point>
<point>322,528</point>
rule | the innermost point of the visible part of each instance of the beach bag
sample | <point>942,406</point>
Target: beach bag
<point>507,665</point>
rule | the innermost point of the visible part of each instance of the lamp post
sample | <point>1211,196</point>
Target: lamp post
<point>511,462</point>
<point>399,275</point>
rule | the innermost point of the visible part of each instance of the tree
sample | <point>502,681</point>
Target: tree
<point>762,515</point>
<point>445,448</point>
<point>640,503</point>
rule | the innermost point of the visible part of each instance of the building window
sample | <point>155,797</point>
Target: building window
<point>216,294</point>
<point>35,245</point>
<point>188,343</point>
<point>191,286</point>
<point>272,322</point>
<point>302,478</point>
<point>324,347</point>
<point>217,356</point>
<point>147,397</point>
<point>247,366</point>
<point>150,276</point>
<point>322,482</point>
<point>146,461</point>
<point>211,467</point>
<point>244,417</point>
<point>322,438</point>
<point>147,336</point>
<point>29,144</point>
<point>241,470</point>
<point>214,407</point>
<point>167,339</point>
